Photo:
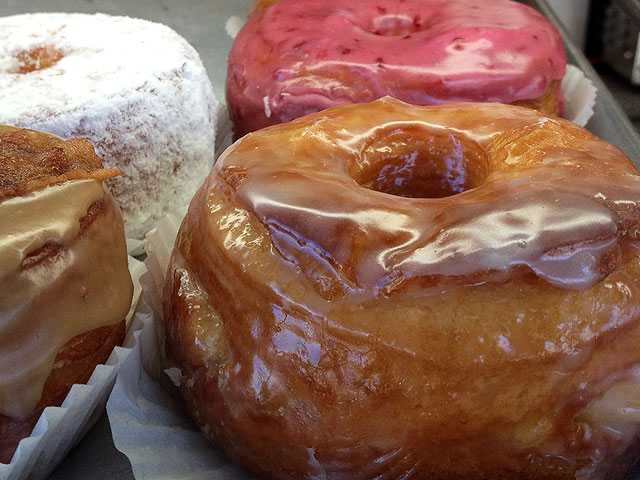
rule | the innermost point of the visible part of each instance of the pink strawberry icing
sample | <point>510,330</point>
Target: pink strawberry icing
<point>301,56</point>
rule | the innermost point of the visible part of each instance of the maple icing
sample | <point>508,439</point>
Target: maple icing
<point>84,285</point>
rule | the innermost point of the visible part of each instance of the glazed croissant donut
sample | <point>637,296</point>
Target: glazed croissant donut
<point>65,286</point>
<point>413,292</point>
<point>294,57</point>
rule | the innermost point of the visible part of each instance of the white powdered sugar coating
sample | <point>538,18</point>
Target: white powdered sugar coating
<point>136,89</point>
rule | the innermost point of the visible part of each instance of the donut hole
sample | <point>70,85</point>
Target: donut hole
<point>416,164</point>
<point>396,25</point>
<point>37,58</point>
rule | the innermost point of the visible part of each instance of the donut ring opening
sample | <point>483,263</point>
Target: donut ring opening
<point>415,162</point>
<point>396,25</point>
<point>37,58</point>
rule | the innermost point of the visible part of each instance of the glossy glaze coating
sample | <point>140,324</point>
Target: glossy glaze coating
<point>456,326</point>
<point>301,56</point>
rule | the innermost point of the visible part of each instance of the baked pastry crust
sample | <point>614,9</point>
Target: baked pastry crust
<point>31,160</point>
<point>74,363</point>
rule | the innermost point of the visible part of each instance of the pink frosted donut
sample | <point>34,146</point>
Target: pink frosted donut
<point>301,56</point>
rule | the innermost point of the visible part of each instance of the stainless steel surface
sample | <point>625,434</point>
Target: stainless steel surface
<point>202,22</point>
<point>620,30</point>
<point>609,122</point>
<point>631,8</point>
<point>95,458</point>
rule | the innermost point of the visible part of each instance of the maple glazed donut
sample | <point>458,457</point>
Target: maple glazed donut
<point>65,286</point>
<point>295,57</point>
<point>412,292</point>
<point>136,89</point>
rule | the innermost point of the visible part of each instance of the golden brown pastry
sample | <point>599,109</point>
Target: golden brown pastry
<point>390,291</point>
<point>65,286</point>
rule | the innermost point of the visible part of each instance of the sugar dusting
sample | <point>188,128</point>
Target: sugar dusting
<point>148,110</point>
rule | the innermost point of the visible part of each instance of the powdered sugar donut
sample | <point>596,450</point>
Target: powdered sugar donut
<point>300,56</point>
<point>136,89</point>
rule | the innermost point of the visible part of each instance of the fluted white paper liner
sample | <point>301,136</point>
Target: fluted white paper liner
<point>60,428</point>
<point>148,421</point>
<point>135,247</point>
<point>233,25</point>
<point>579,94</point>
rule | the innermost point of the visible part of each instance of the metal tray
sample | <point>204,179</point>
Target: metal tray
<point>609,122</point>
